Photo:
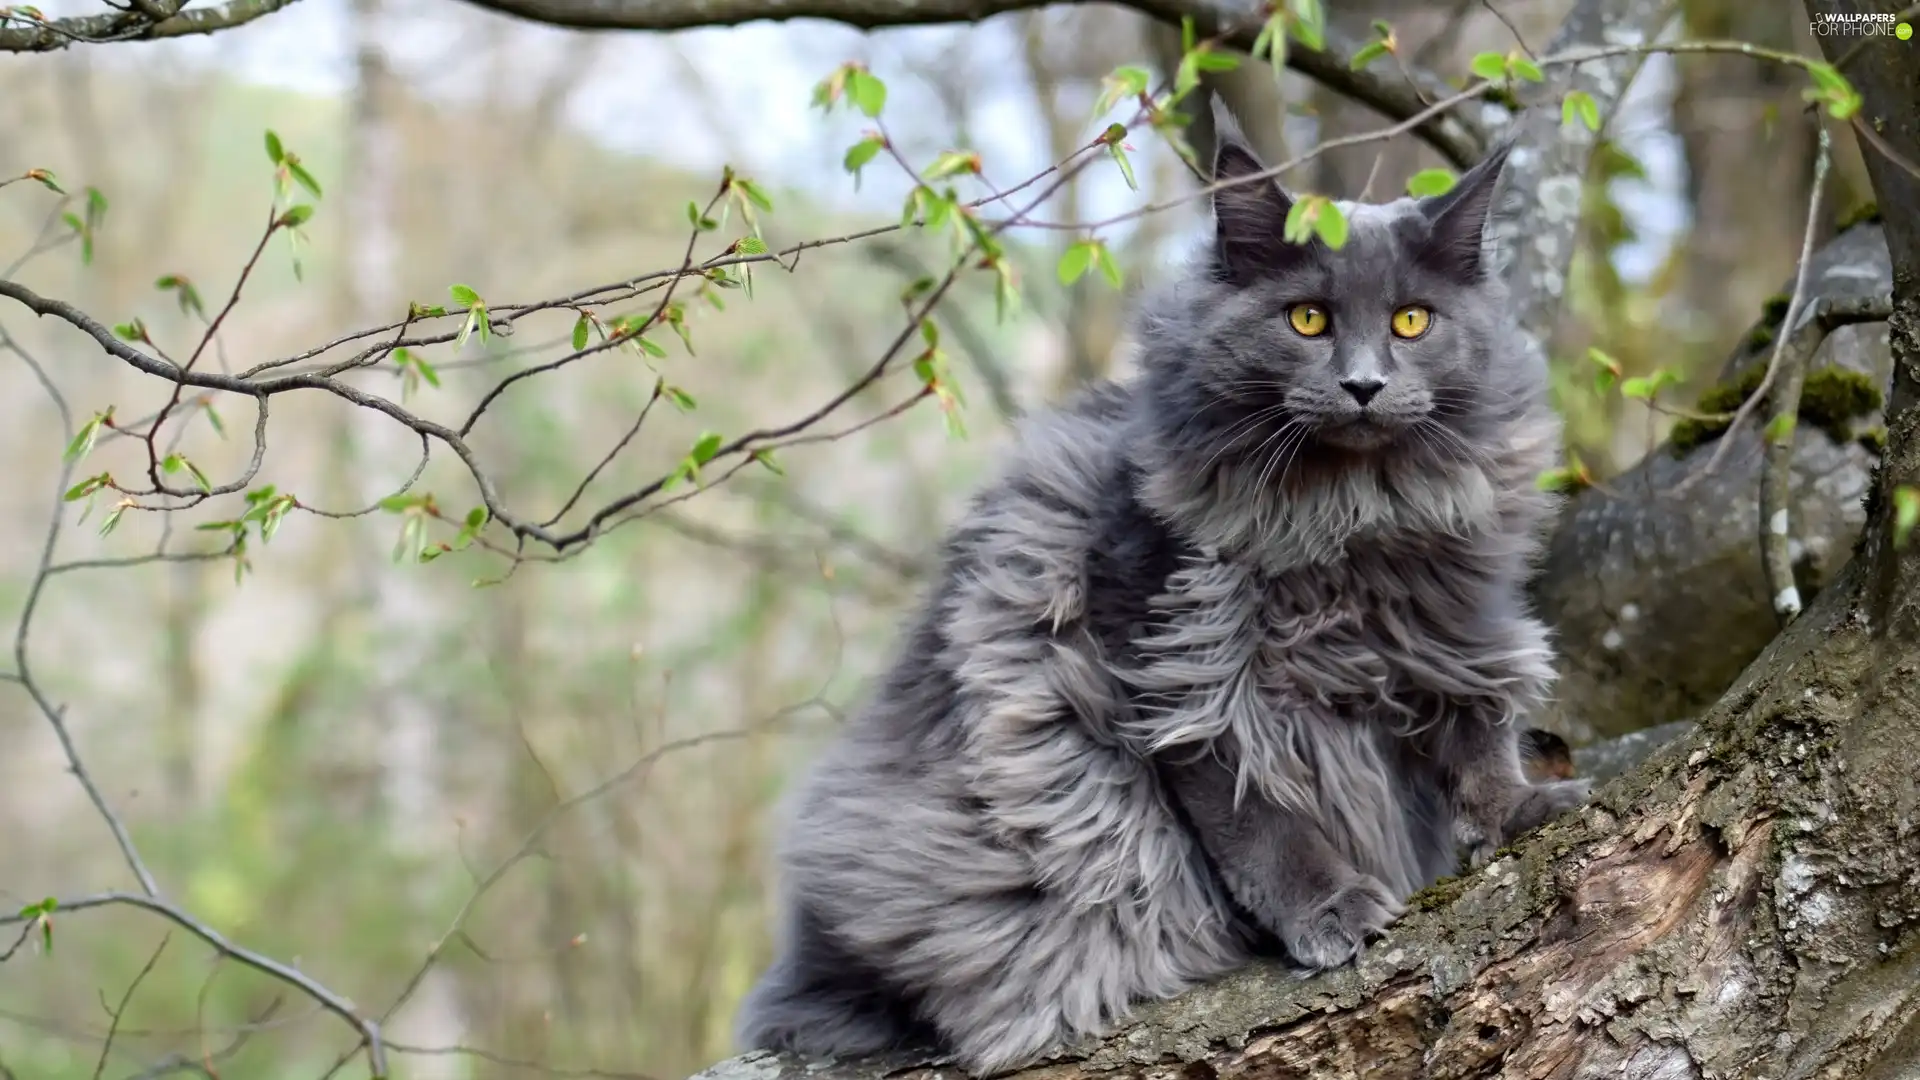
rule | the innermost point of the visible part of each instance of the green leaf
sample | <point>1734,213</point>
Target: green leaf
<point>297,215</point>
<point>1645,387</point>
<point>705,447</point>
<point>953,163</point>
<point>1525,69</point>
<point>1557,479</point>
<point>86,487</point>
<point>1076,261</point>
<point>1780,428</point>
<point>1272,43</point>
<point>1006,293</point>
<point>213,417</point>
<point>112,519</point>
<point>929,333</point>
<point>1208,60</point>
<point>939,210</point>
<point>867,92</point>
<point>1429,182</point>
<point>580,333</point>
<point>1490,66</point>
<point>1309,24</point>
<point>1367,54</point>
<point>860,154</point>
<point>1109,268</point>
<point>750,245</point>
<point>651,348</point>
<point>133,331</point>
<point>680,398</point>
<point>427,372</point>
<point>303,177</point>
<point>765,458</point>
<point>1298,228</point>
<point>1906,514</point>
<point>173,463</point>
<point>698,220</point>
<point>1581,104</point>
<point>46,180</point>
<point>1125,82</point>
<point>1832,88</point>
<point>755,193</point>
<point>83,440</point>
<point>463,295</point>
<point>476,520</point>
<point>199,478</point>
<point>1331,225</point>
<point>274,152</point>
<point>1126,167</point>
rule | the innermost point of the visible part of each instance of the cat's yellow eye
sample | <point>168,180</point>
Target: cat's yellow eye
<point>1411,321</point>
<point>1307,320</point>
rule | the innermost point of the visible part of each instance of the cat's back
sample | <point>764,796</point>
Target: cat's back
<point>1040,545</point>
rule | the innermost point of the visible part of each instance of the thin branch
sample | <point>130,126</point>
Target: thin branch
<point>527,847</point>
<point>369,1029</point>
<point>517,1063</point>
<point>56,714</point>
<point>113,1028</point>
<point>1783,408</point>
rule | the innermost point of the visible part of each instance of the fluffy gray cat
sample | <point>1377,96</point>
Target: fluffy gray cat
<point>1227,662</point>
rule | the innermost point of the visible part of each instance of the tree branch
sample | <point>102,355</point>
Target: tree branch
<point>1459,137</point>
<point>146,23</point>
<point>1783,411</point>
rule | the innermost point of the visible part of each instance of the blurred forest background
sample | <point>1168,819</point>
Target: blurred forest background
<point>324,758</point>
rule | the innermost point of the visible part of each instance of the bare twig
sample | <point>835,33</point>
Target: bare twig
<point>369,1029</point>
<point>1783,407</point>
<point>113,1028</point>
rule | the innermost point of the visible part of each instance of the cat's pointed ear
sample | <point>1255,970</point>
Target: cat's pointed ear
<point>1249,218</point>
<point>1457,220</point>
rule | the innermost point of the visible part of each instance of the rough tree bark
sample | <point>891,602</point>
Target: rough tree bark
<point>1746,904</point>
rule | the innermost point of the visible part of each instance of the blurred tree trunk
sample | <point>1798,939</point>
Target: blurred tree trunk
<point>1749,144</point>
<point>400,737</point>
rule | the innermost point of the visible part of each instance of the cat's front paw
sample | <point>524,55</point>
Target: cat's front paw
<point>1480,836</point>
<point>1337,930</point>
<point>1542,803</point>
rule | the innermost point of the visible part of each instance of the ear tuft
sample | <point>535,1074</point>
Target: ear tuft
<point>1249,218</point>
<point>1457,233</point>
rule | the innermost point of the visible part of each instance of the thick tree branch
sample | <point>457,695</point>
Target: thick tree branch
<point>149,22</point>
<point>1381,87</point>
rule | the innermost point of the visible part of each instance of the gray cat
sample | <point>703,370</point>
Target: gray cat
<point>1226,663</point>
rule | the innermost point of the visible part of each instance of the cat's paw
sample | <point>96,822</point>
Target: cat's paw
<point>1481,838</point>
<point>1337,930</point>
<point>1543,802</point>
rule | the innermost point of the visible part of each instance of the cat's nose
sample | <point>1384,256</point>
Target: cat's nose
<point>1363,387</point>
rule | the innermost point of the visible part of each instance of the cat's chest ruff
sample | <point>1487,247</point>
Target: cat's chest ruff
<point>1311,634</point>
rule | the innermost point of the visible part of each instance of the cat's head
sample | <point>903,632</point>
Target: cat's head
<point>1398,341</point>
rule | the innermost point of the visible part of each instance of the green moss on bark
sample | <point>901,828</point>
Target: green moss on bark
<point>1830,400</point>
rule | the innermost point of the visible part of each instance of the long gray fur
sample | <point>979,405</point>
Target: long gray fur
<point>1227,662</point>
